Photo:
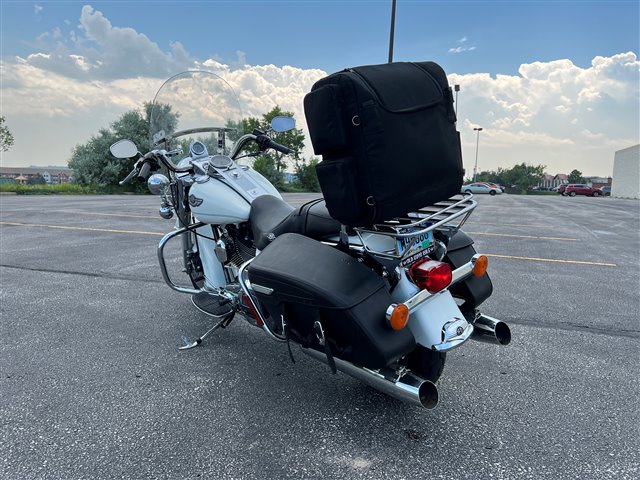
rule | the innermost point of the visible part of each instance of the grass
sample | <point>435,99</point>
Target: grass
<point>63,189</point>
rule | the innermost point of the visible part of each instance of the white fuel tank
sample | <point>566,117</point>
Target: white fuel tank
<point>227,199</point>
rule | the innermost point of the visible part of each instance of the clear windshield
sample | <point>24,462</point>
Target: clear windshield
<point>196,105</point>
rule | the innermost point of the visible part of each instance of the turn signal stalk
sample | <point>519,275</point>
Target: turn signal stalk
<point>431,275</point>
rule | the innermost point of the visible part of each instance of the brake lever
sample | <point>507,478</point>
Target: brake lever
<point>133,173</point>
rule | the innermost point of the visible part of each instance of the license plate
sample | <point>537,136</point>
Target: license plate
<point>422,247</point>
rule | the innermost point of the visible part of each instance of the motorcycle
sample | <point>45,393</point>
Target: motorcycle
<point>383,303</point>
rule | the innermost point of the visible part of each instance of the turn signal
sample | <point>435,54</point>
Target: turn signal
<point>399,317</point>
<point>480,267</point>
<point>431,275</point>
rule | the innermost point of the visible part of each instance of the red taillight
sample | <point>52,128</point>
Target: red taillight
<point>431,275</point>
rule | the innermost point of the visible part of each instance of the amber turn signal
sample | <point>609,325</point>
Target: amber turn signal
<point>399,317</point>
<point>480,267</point>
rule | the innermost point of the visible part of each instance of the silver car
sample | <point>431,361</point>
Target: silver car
<point>480,187</point>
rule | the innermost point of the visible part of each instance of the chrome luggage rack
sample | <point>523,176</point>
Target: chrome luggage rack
<point>416,224</point>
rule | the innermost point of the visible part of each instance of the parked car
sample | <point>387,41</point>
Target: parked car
<point>561,189</point>
<point>491,184</point>
<point>606,190</point>
<point>581,189</point>
<point>480,187</point>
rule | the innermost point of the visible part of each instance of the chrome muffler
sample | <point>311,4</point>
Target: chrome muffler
<point>408,388</point>
<point>490,330</point>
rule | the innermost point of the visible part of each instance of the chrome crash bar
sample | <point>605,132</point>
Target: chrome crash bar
<point>163,264</point>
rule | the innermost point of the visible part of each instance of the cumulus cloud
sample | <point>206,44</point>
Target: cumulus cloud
<point>548,112</point>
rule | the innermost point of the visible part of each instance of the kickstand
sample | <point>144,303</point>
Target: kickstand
<point>221,324</point>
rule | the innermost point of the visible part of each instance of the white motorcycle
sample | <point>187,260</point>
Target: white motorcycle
<point>383,303</point>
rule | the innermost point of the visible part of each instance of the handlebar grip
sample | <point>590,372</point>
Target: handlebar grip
<point>280,148</point>
<point>144,172</point>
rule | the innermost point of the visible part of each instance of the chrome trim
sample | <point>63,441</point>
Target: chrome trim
<point>491,330</point>
<point>408,387</point>
<point>430,218</point>
<point>422,296</point>
<point>163,265</point>
<point>261,289</point>
<point>247,288</point>
<point>450,336</point>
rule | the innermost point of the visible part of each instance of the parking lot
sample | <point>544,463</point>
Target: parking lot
<point>92,384</point>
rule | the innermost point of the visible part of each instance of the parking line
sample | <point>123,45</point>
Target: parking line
<point>64,227</point>
<point>553,260</point>
<point>112,214</point>
<point>511,225</point>
<point>524,236</point>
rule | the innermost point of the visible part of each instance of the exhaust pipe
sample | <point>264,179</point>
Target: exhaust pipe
<point>408,388</point>
<point>490,330</point>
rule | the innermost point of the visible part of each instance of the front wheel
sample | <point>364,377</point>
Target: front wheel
<point>427,363</point>
<point>492,193</point>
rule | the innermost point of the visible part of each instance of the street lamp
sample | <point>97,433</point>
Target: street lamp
<point>475,168</point>
<point>457,89</point>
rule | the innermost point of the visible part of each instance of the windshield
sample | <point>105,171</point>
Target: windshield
<point>196,105</point>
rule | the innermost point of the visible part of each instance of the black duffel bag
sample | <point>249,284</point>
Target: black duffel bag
<point>388,140</point>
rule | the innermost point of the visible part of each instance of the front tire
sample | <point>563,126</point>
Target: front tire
<point>427,363</point>
<point>492,193</point>
<point>467,191</point>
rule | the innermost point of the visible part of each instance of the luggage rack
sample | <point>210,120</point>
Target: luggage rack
<point>419,223</point>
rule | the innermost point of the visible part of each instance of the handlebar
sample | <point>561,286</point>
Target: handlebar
<point>279,148</point>
<point>144,172</point>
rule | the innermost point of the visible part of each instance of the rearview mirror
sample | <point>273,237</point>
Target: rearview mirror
<point>124,149</point>
<point>283,124</point>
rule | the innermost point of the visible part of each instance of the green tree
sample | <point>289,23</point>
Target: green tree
<point>93,164</point>
<point>523,175</point>
<point>307,178</point>
<point>271,164</point>
<point>576,177</point>
<point>6,138</point>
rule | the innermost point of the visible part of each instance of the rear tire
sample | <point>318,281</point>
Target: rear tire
<point>467,191</point>
<point>427,363</point>
<point>596,194</point>
<point>572,194</point>
<point>492,193</point>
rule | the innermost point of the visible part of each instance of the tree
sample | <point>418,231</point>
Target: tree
<point>271,164</point>
<point>93,164</point>
<point>6,138</point>
<point>576,177</point>
<point>307,178</point>
<point>523,175</point>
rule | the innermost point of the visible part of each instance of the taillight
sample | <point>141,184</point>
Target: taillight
<point>431,275</point>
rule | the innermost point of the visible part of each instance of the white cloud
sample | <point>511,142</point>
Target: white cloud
<point>37,9</point>
<point>554,113</point>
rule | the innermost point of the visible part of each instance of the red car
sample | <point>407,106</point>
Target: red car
<point>561,188</point>
<point>581,189</point>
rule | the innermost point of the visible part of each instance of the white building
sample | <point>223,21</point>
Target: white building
<point>626,173</point>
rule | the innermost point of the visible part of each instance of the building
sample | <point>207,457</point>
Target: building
<point>552,181</point>
<point>598,182</point>
<point>626,173</point>
<point>51,175</point>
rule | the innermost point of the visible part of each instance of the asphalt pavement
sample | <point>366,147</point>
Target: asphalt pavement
<point>92,384</point>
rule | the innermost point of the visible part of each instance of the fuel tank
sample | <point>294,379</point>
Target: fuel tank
<point>226,198</point>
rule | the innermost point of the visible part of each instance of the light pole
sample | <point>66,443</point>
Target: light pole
<point>475,168</point>
<point>393,28</point>
<point>457,89</point>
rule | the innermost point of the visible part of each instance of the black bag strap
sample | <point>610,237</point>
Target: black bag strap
<point>317,327</point>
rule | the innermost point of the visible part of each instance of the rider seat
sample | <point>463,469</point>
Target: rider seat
<point>271,216</point>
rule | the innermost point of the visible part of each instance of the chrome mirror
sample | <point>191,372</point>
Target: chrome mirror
<point>283,124</point>
<point>124,149</point>
<point>157,184</point>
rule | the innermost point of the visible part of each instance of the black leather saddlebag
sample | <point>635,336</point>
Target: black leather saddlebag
<point>388,140</point>
<point>307,281</point>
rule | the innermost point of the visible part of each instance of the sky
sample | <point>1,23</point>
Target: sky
<point>554,83</point>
